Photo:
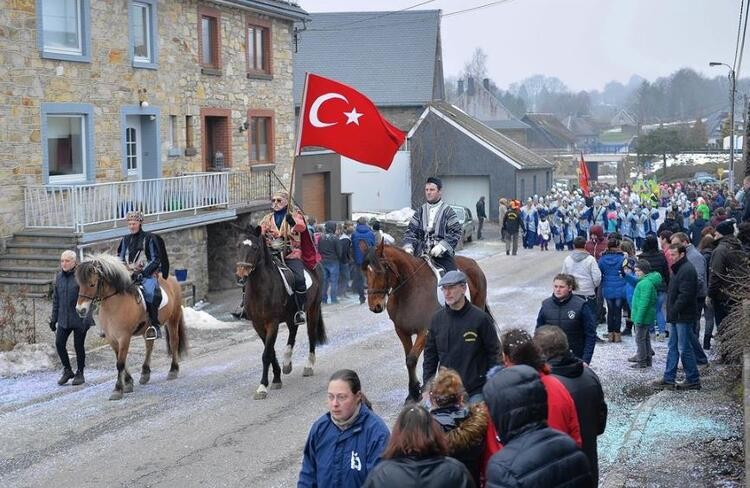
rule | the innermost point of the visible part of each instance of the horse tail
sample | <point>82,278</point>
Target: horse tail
<point>182,341</point>
<point>182,347</point>
<point>320,330</point>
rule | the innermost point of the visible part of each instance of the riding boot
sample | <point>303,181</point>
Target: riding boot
<point>154,330</point>
<point>300,299</point>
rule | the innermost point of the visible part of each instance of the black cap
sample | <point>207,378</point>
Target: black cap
<point>437,181</point>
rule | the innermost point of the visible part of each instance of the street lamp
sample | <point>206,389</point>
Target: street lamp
<point>733,89</point>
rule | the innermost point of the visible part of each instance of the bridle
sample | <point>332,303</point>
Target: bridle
<point>388,266</point>
<point>96,298</point>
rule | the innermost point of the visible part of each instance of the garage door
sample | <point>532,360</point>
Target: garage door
<point>466,190</point>
<point>314,196</point>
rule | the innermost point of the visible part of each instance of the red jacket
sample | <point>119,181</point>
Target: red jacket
<point>597,244</point>
<point>561,410</point>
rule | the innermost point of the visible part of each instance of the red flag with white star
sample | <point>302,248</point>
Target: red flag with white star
<point>340,118</point>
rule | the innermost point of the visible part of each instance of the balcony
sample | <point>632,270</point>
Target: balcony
<point>94,212</point>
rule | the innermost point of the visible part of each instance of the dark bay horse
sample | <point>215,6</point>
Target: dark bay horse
<point>105,279</point>
<point>406,287</point>
<point>267,304</point>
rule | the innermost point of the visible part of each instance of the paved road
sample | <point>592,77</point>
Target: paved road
<point>204,429</point>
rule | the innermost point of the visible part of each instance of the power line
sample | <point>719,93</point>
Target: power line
<point>742,44</point>
<point>373,17</point>
<point>478,7</point>
<point>739,28</point>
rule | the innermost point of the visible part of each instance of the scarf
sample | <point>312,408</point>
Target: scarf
<point>345,424</point>
<point>135,244</point>
<point>278,217</point>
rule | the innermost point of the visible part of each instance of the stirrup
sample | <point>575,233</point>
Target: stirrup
<point>152,333</point>
<point>300,318</point>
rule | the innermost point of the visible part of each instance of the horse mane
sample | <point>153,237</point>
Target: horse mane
<point>111,270</point>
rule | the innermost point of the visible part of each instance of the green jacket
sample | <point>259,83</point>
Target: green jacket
<point>704,211</point>
<point>644,299</point>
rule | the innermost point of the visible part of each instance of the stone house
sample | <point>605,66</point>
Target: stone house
<point>393,58</point>
<point>179,108</point>
<point>473,160</point>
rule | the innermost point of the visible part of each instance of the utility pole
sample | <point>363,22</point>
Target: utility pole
<point>732,92</point>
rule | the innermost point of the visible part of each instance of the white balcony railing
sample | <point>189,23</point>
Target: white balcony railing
<point>78,206</point>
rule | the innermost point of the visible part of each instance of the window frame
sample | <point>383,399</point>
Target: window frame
<point>84,32</point>
<point>215,68</point>
<point>266,27</point>
<point>153,34</point>
<point>270,136</point>
<point>86,112</point>
<point>172,136</point>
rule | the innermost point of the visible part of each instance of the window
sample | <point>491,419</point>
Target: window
<point>67,142</point>
<point>131,150</point>
<point>258,47</point>
<point>63,28</point>
<point>261,136</point>
<point>143,36</point>
<point>210,40</point>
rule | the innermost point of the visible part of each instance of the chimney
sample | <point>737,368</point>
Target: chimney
<point>470,87</point>
<point>486,84</point>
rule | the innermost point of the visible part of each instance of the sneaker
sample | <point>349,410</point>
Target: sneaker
<point>78,379</point>
<point>300,318</point>
<point>662,385</point>
<point>684,386</point>
<point>66,376</point>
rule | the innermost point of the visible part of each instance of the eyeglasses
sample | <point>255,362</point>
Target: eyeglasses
<point>275,200</point>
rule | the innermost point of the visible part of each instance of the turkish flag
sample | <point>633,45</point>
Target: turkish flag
<point>583,176</point>
<point>339,118</point>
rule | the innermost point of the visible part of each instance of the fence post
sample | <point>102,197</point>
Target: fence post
<point>195,194</point>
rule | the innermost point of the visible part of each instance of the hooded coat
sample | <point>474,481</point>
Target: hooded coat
<point>726,258</point>
<point>409,472</point>
<point>597,244</point>
<point>584,268</point>
<point>586,389</point>
<point>643,311</point>
<point>613,284</point>
<point>533,454</point>
<point>465,429</point>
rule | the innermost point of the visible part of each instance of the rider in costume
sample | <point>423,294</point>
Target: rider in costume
<point>140,253</point>
<point>434,228</point>
<point>282,230</point>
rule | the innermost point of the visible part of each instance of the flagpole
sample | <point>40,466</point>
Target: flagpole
<point>298,149</point>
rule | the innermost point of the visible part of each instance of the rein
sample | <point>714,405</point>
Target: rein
<point>96,298</point>
<point>390,291</point>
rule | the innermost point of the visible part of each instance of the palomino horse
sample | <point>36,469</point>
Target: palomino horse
<point>267,304</point>
<point>407,287</point>
<point>122,314</point>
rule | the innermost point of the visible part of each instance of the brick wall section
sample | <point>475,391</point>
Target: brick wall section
<point>110,82</point>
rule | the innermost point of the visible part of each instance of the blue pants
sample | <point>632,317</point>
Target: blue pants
<point>530,239</point>
<point>680,349</point>
<point>661,319</point>
<point>614,314</point>
<point>149,287</point>
<point>330,280</point>
<point>446,262</point>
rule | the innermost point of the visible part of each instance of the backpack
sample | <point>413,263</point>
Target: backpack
<point>163,256</point>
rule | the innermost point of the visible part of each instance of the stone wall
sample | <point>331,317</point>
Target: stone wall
<point>109,82</point>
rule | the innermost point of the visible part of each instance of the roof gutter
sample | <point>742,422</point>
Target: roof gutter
<point>293,13</point>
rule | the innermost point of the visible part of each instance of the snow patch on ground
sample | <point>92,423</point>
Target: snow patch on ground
<point>198,319</point>
<point>26,358</point>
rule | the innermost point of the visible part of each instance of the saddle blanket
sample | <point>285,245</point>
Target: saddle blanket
<point>164,298</point>
<point>308,280</point>
<point>439,292</point>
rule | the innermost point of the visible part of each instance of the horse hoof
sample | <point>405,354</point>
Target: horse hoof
<point>307,372</point>
<point>276,386</point>
<point>286,368</point>
<point>172,375</point>
<point>116,395</point>
<point>145,378</point>
<point>260,395</point>
<point>128,388</point>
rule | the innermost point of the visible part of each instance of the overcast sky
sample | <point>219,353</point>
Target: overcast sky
<point>585,43</point>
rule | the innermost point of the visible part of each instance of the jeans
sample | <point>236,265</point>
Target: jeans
<point>511,243</point>
<point>79,340</point>
<point>680,349</point>
<point>345,277</point>
<point>643,344</point>
<point>358,282</point>
<point>330,280</point>
<point>661,318</point>
<point>614,314</point>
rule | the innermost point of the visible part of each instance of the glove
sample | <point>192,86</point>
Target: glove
<point>53,326</point>
<point>290,220</point>
<point>437,250</point>
<point>409,249</point>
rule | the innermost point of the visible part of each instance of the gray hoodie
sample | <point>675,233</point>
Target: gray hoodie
<point>584,268</point>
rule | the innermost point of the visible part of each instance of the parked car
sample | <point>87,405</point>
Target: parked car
<point>467,222</point>
<point>705,179</point>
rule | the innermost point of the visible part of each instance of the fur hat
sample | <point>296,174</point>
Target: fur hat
<point>135,215</point>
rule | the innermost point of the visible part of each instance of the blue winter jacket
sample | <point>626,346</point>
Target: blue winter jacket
<point>342,459</point>
<point>613,284</point>
<point>361,233</point>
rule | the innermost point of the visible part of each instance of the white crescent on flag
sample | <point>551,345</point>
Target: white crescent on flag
<point>314,120</point>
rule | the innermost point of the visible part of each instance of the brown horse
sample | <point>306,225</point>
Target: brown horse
<point>122,315</point>
<point>406,286</point>
<point>267,304</point>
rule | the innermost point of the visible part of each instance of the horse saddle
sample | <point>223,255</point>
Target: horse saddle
<point>164,297</point>
<point>439,272</point>
<point>287,276</point>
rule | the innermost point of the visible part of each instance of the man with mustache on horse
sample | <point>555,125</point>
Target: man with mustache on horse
<point>140,253</point>
<point>434,228</point>
<point>283,230</point>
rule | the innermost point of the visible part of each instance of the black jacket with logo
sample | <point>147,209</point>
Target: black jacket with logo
<point>464,340</point>
<point>575,319</point>
<point>682,292</point>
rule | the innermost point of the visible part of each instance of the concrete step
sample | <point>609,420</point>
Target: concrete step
<point>29,260</point>
<point>62,236</point>
<point>28,285</point>
<point>42,248</point>
<point>28,272</point>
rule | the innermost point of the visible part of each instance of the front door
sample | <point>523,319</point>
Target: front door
<point>133,147</point>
